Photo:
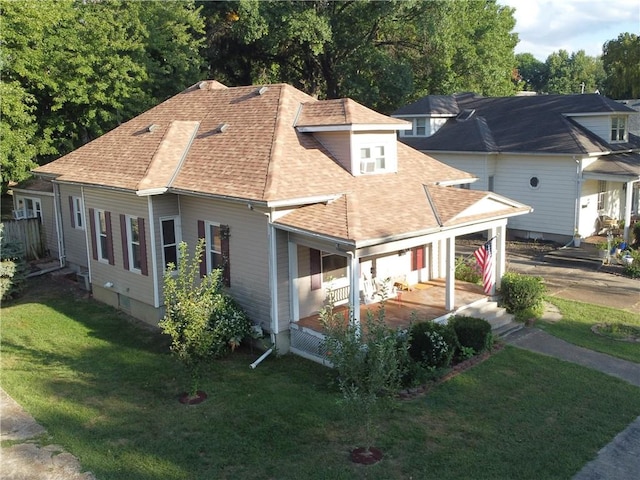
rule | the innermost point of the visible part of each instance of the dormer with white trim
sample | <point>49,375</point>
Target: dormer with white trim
<point>364,142</point>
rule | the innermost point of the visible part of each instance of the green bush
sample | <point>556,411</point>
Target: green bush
<point>467,270</point>
<point>636,234</point>
<point>472,332</point>
<point>432,344</point>
<point>633,270</point>
<point>521,293</point>
<point>13,267</point>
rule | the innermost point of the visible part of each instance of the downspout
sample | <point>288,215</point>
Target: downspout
<point>154,262</point>
<point>57,208</point>
<point>576,216</point>
<point>87,232</point>
<point>354,291</point>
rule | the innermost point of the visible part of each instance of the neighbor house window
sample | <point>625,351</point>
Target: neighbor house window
<point>491,183</point>
<point>372,159</point>
<point>618,129</point>
<point>419,128</point>
<point>170,240</point>
<point>29,207</point>
<point>76,210</point>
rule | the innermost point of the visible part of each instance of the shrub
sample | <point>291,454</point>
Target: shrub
<point>472,332</point>
<point>202,321</point>
<point>521,293</point>
<point>432,344</point>
<point>636,234</point>
<point>633,270</point>
<point>467,270</point>
<point>13,267</point>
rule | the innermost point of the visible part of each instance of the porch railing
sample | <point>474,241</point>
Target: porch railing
<point>340,295</point>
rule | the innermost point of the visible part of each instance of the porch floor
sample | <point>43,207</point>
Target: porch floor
<point>426,299</point>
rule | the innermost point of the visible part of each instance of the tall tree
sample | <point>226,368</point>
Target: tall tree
<point>379,53</point>
<point>621,61</point>
<point>532,72</point>
<point>84,67</point>
<point>575,73</point>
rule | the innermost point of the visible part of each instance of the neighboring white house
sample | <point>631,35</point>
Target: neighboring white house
<point>571,157</point>
<point>293,196</point>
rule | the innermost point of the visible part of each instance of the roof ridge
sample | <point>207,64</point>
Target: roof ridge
<point>276,147</point>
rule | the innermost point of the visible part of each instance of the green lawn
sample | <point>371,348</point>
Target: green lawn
<point>107,391</point>
<point>576,323</point>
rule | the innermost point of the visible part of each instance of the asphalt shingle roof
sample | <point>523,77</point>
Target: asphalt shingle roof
<point>519,124</point>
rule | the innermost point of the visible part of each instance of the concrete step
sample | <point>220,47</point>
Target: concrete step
<point>508,329</point>
<point>489,311</point>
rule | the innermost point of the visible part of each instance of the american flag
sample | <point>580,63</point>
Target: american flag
<point>484,256</point>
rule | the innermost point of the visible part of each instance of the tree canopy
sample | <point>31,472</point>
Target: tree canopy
<point>621,61</point>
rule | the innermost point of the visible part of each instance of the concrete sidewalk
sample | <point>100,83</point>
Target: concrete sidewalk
<point>620,459</point>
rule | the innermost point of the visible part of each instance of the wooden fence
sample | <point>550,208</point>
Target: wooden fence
<point>28,232</point>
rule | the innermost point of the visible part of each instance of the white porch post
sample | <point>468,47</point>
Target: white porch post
<point>293,281</point>
<point>493,232</point>
<point>627,210</point>
<point>450,273</point>
<point>501,254</point>
<point>353,265</point>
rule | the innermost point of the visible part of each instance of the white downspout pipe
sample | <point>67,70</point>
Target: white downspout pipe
<point>261,358</point>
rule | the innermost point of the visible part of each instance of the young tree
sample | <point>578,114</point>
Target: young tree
<point>369,363</point>
<point>532,72</point>
<point>201,319</point>
<point>621,61</point>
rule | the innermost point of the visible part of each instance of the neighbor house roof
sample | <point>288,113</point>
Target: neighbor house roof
<point>244,143</point>
<point>521,124</point>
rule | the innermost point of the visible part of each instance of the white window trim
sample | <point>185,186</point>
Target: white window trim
<point>99,234</point>
<point>618,129</point>
<point>131,244</point>
<point>78,213</point>
<point>177,227</point>
<point>37,206</point>
<point>368,165</point>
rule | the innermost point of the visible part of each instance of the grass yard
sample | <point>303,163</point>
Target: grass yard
<point>107,390</point>
<point>576,323</point>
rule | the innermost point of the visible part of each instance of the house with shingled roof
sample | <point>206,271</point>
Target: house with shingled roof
<point>295,197</point>
<point>573,158</point>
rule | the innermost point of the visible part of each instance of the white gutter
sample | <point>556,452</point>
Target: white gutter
<point>154,262</point>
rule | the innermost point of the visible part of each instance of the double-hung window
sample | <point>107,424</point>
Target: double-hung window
<point>418,129</point>
<point>77,216</point>
<point>170,240</point>
<point>133,236</point>
<point>372,159</point>
<point>618,129</point>
<point>102,235</point>
<point>214,247</point>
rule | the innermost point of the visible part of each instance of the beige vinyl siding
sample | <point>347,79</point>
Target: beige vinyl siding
<point>167,205</point>
<point>554,199</point>
<point>248,249</point>
<point>125,283</point>
<point>75,241</point>
<point>598,124</point>
<point>338,144</point>
<point>49,224</point>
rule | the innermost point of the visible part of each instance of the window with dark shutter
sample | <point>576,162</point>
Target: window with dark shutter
<point>203,258</point>
<point>94,238</point>
<point>72,211</point>
<point>224,251</point>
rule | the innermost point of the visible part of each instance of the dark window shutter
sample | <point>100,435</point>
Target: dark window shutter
<point>125,243</point>
<point>73,215</point>
<point>315,268</point>
<point>203,259</point>
<point>224,247</point>
<point>94,240</point>
<point>107,217</point>
<point>143,247</point>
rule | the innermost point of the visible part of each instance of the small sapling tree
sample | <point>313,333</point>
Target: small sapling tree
<point>201,319</point>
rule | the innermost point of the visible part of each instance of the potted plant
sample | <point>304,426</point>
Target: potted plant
<point>603,249</point>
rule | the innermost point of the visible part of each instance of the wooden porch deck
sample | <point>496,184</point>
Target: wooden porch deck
<point>427,300</point>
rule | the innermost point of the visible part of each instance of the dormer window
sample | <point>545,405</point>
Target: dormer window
<point>419,128</point>
<point>372,159</point>
<point>618,129</point>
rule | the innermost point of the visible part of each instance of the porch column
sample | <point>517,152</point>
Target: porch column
<point>293,281</point>
<point>501,254</point>
<point>627,210</point>
<point>353,265</point>
<point>450,273</point>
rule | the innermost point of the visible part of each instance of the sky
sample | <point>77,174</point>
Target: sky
<point>546,26</point>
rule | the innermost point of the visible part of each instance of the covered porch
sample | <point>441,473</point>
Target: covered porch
<point>424,301</point>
